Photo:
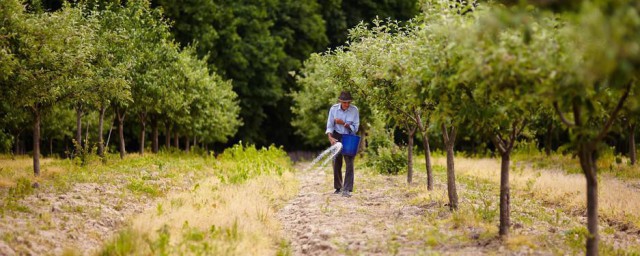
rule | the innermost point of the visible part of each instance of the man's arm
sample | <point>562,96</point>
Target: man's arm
<point>329,130</point>
<point>329,123</point>
<point>356,122</point>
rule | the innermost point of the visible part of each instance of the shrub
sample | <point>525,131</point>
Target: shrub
<point>388,160</point>
<point>241,163</point>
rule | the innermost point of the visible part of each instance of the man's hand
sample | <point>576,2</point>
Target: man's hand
<point>339,121</point>
<point>332,140</point>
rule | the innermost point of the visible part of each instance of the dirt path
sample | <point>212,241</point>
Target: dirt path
<point>320,222</point>
<point>375,221</point>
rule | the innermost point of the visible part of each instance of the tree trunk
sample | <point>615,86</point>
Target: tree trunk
<point>588,165</point>
<point>154,132</point>
<point>449,141</point>
<point>632,144</point>
<point>176,140</point>
<point>143,130</point>
<point>167,132</point>
<point>66,146</point>
<point>412,132</point>
<point>120,117</point>
<point>505,221</point>
<point>427,160</point>
<point>547,139</point>
<point>36,142</point>
<point>50,147</point>
<point>187,144</point>
<point>23,147</point>
<point>16,147</point>
<point>86,135</point>
<point>427,152</point>
<point>79,125</point>
<point>100,131</point>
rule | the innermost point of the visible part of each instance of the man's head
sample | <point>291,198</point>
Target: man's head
<point>345,99</point>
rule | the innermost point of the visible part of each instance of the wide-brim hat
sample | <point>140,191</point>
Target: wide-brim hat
<point>345,96</point>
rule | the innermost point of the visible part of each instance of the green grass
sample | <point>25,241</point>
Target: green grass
<point>123,244</point>
<point>139,186</point>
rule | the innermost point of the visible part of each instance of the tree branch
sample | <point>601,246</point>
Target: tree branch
<point>445,134</point>
<point>564,120</point>
<point>614,114</point>
<point>497,141</point>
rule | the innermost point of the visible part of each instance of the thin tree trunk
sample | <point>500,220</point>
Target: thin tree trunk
<point>167,132</point>
<point>632,144</point>
<point>79,125</point>
<point>103,109</point>
<point>427,152</point>
<point>66,145</point>
<point>50,147</point>
<point>195,141</point>
<point>86,134</point>
<point>176,140</point>
<point>427,160</point>
<point>36,142</point>
<point>505,205</point>
<point>16,147</point>
<point>143,130</point>
<point>187,144</point>
<point>411,133</point>
<point>23,147</point>
<point>110,130</point>
<point>547,139</point>
<point>449,141</point>
<point>120,117</point>
<point>588,165</point>
<point>154,132</point>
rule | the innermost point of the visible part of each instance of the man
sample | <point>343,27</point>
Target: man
<point>343,119</point>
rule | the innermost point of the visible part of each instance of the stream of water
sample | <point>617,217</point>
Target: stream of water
<point>329,154</point>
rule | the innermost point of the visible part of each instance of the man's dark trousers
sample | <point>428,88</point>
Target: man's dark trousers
<point>337,168</point>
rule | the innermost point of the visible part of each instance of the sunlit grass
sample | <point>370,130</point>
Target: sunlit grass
<point>557,187</point>
<point>215,218</point>
<point>230,212</point>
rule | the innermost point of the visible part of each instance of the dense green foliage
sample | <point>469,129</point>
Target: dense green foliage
<point>258,44</point>
<point>492,71</point>
<point>115,57</point>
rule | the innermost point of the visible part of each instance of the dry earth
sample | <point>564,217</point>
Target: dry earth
<point>376,220</point>
<point>75,222</point>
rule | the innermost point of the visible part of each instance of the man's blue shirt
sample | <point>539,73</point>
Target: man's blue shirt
<point>350,116</point>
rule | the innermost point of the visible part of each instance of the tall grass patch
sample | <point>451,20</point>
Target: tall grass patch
<point>231,212</point>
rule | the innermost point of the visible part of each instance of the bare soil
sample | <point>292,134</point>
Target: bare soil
<point>77,221</point>
<point>385,216</point>
<point>376,220</point>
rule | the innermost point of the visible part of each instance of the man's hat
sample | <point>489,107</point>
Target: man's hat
<point>345,96</point>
